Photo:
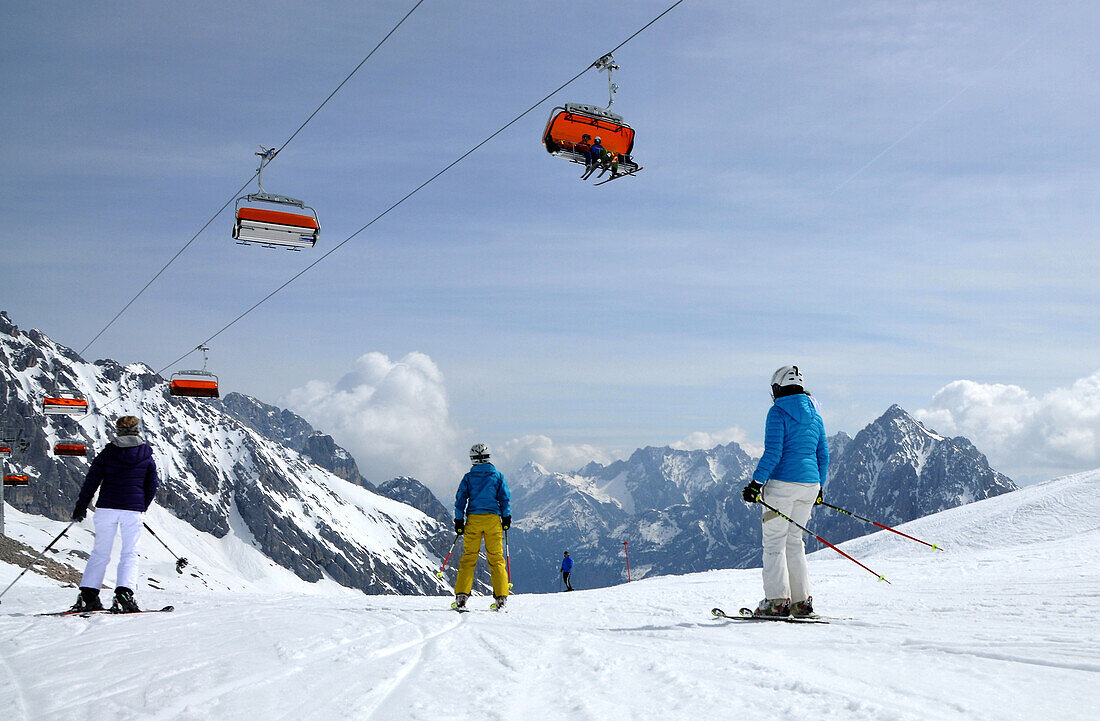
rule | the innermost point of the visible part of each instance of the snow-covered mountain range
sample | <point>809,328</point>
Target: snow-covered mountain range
<point>242,469</point>
<point>232,467</point>
<point>681,511</point>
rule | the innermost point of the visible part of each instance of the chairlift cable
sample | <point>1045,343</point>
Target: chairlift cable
<point>411,193</point>
<point>240,190</point>
<point>420,187</point>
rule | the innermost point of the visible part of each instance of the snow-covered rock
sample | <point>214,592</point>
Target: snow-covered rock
<point>228,468</point>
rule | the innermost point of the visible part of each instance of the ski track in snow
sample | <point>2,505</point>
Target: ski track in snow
<point>1001,625</point>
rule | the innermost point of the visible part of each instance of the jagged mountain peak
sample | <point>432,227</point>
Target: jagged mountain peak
<point>222,470</point>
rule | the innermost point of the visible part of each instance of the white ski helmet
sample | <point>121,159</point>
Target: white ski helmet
<point>787,376</point>
<point>479,453</point>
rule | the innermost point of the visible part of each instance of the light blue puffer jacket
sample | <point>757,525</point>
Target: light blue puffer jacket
<point>795,447</point>
<point>483,490</point>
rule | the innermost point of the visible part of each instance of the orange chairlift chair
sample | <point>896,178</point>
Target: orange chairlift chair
<point>70,447</point>
<point>271,228</point>
<point>569,123</point>
<point>195,383</point>
<point>64,404</point>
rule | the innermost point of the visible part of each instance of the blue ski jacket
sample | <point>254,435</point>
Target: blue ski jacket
<point>483,490</point>
<point>566,564</point>
<point>795,447</point>
<point>127,474</point>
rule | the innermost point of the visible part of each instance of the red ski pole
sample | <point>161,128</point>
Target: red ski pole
<point>806,530</point>
<point>627,552</point>
<point>453,544</point>
<point>880,525</point>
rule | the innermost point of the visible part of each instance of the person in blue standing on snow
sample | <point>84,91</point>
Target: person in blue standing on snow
<point>790,478</point>
<point>566,571</point>
<point>126,476</point>
<point>483,510</point>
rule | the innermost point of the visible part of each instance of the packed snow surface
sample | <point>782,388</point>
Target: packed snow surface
<point>1001,624</point>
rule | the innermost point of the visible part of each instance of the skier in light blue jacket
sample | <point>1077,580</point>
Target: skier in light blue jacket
<point>790,477</point>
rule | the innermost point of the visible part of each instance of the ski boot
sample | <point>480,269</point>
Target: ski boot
<point>87,601</point>
<point>460,602</point>
<point>498,603</point>
<point>803,609</point>
<point>773,608</point>
<point>124,601</point>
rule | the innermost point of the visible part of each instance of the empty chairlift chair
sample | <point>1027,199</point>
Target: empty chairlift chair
<point>270,227</point>
<point>70,447</point>
<point>195,383</point>
<point>64,404</point>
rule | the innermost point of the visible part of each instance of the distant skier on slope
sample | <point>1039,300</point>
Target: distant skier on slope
<point>126,476</point>
<point>790,477</point>
<point>483,509</point>
<point>567,571</point>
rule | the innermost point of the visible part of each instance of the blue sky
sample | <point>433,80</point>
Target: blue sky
<point>550,318</point>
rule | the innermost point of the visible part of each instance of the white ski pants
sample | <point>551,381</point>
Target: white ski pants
<point>785,573</point>
<point>108,522</point>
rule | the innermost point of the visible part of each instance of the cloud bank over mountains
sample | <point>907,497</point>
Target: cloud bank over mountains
<point>1023,434</point>
<point>393,415</point>
<point>395,418</point>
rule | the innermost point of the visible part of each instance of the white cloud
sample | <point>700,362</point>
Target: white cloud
<point>554,457</point>
<point>1021,433</point>
<point>705,440</point>
<point>392,415</point>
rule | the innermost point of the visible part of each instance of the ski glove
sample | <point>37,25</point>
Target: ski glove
<point>820,497</point>
<point>506,522</point>
<point>460,526</point>
<point>751,492</point>
<point>79,514</point>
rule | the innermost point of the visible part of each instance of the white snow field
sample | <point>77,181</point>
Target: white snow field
<point>1002,624</point>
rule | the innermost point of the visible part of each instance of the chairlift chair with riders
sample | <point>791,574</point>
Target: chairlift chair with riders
<point>16,479</point>
<point>195,383</point>
<point>64,404</point>
<point>568,125</point>
<point>269,227</point>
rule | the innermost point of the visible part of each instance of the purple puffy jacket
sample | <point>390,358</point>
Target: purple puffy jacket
<point>127,473</point>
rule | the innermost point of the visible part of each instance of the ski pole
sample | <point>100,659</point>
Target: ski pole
<point>41,553</point>
<point>627,552</point>
<point>806,530</point>
<point>453,544</point>
<point>507,560</point>
<point>181,562</point>
<point>880,525</point>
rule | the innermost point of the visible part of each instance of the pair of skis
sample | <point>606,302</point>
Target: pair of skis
<point>467,609</point>
<point>86,614</point>
<point>746,614</point>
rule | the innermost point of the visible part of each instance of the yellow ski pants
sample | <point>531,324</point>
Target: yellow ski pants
<point>480,525</point>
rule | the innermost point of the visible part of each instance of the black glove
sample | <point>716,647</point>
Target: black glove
<point>79,514</point>
<point>460,526</point>
<point>820,497</point>
<point>506,522</point>
<point>751,492</point>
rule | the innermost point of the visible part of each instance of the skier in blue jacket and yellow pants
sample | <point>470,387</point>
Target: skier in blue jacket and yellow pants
<point>483,509</point>
<point>789,477</point>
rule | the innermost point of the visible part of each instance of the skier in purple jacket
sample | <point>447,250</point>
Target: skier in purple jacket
<point>126,476</point>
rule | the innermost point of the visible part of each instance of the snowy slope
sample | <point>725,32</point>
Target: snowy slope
<point>1001,625</point>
